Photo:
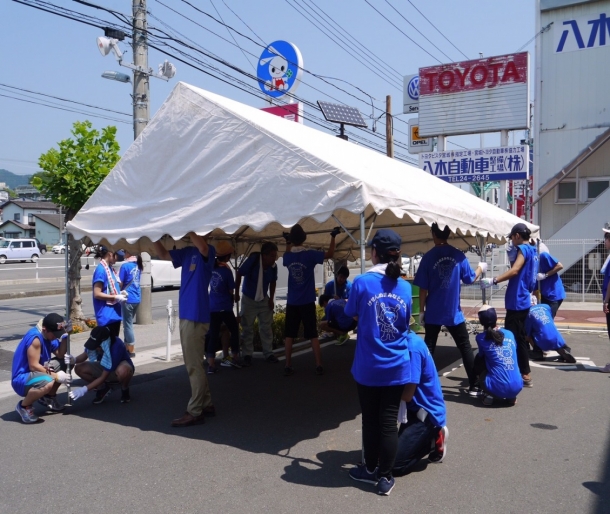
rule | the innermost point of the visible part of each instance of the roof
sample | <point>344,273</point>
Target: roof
<point>215,166</point>
<point>51,219</point>
<point>22,226</point>
<point>28,204</point>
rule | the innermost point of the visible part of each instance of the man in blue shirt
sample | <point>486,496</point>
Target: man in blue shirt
<point>438,277</point>
<point>340,287</point>
<point>606,288</point>
<point>36,374</point>
<point>541,331</point>
<point>335,320</point>
<point>521,283</point>
<point>259,273</point>
<point>552,292</point>
<point>197,264</point>
<point>301,302</point>
<point>422,414</point>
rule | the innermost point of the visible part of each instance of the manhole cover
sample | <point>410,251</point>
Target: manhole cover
<point>543,426</point>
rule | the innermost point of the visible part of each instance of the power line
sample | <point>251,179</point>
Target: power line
<point>233,37</point>
<point>248,26</point>
<point>544,29</point>
<point>435,28</point>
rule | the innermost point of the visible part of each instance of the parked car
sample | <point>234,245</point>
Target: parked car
<point>19,250</point>
<point>163,273</point>
<point>59,248</point>
<point>41,247</point>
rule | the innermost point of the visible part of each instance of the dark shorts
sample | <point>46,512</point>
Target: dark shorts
<point>295,314</point>
<point>37,380</point>
<point>333,324</point>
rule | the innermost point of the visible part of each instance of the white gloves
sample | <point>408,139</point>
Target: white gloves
<point>483,266</point>
<point>79,392</point>
<point>421,319</point>
<point>541,276</point>
<point>63,378</point>
<point>486,283</point>
<point>64,336</point>
<point>69,359</point>
<point>119,298</point>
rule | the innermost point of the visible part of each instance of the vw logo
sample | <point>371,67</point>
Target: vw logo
<point>413,88</point>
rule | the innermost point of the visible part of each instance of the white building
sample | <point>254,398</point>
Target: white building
<point>572,121</point>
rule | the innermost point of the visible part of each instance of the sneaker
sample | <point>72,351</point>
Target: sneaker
<point>536,355</point>
<point>488,400</point>
<point>319,370</point>
<point>567,356</point>
<point>511,402</point>
<point>440,446</point>
<point>606,368</point>
<point>51,403</point>
<point>100,394</point>
<point>288,371</point>
<point>27,413</point>
<point>473,391</point>
<point>385,486</point>
<point>212,370</point>
<point>528,382</point>
<point>272,358</point>
<point>361,474</point>
<point>229,362</point>
<point>342,340</point>
<point>125,398</point>
<point>247,361</point>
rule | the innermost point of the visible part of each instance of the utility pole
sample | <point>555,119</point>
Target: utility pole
<point>389,136</point>
<point>141,90</point>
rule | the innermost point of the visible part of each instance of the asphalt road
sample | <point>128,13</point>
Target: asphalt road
<point>285,445</point>
<point>49,265</point>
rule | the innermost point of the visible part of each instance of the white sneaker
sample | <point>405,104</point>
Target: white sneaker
<point>606,368</point>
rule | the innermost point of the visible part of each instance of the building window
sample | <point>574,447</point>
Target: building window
<point>596,188</point>
<point>565,192</point>
<point>17,217</point>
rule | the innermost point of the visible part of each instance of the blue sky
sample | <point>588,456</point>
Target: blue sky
<point>45,53</point>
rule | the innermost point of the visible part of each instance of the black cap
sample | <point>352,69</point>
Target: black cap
<point>520,228</point>
<point>53,322</point>
<point>386,240</point>
<point>97,337</point>
<point>297,235</point>
<point>488,317</point>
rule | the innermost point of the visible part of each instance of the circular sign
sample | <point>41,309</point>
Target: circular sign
<point>280,67</point>
<point>413,88</point>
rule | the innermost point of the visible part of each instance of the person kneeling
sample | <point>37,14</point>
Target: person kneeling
<point>495,364</point>
<point>422,412</point>
<point>540,330</point>
<point>105,361</point>
<point>36,375</point>
<point>335,320</point>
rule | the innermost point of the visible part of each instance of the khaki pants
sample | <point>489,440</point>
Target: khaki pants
<point>192,339</point>
<point>250,310</point>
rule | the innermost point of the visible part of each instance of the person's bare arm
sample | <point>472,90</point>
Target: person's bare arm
<point>237,285</point>
<point>34,356</point>
<point>200,243</point>
<point>558,267</point>
<point>408,392</point>
<point>514,271</point>
<point>98,381</point>
<point>161,251</point>
<point>99,295</point>
<point>331,249</point>
<point>271,294</point>
<point>423,296</point>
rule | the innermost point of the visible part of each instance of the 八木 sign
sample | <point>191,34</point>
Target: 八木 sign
<point>582,33</point>
<point>478,165</point>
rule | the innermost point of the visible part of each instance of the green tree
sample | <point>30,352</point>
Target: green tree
<point>70,175</point>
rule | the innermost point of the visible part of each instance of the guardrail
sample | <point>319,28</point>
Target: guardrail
<point>36,268</point>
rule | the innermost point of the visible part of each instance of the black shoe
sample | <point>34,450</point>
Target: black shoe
<point>567,356</point>
<point>101,394</point>
<point>125,398</point>
<point>473,391</point>
<point>536,356</point>
<point>288,371</point>
<point>319,370</point>
<point>272,358</point>
<point>246,361</point>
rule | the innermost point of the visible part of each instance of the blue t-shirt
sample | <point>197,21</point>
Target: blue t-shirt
<point>129,275</point>
<point>335,311</point>
<point>250,270</point>
<point>221,286</point>
<point>104,313</point>
<point>21,365</point>
<point>342,291</point>
<point>383,307</point>
<point>196,273</point>
<point>428,394</point>
<point>519,288</point>
<point>301,279</point>
<point>118,354</point>
<point>440,272</point>
<point>606,281</point>
<point>539,325</point>
<point>503,378</point>
<point>551,288</point>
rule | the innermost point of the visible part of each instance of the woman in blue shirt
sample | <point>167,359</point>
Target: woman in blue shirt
<point>129,275</point>
<point>107,294</point>
<point>381,303</point>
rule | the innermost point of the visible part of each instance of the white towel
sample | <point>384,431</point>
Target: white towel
<point>260,294</point>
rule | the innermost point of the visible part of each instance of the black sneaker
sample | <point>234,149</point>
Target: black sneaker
<point>212,370</point>
<point>567,356</point>
<point>537,356</point>
<point>247,361</point>
<point>125,398</point>
<point>319,370</point>
<point>272,358</point>
<point>473,391</point>
<point>101,394</point>
<point>288,371</point>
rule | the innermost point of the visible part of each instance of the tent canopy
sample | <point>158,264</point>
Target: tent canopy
<point>212,165</point>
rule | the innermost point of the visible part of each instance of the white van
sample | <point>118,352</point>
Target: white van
<point>19,250</point>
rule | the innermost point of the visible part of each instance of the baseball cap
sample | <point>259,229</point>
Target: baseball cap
<point>487,316</point>
<point>606,228</point>
<point>520,228</point>
<point>385,240</point>
<point>97,337</point>
<point>53,322</point>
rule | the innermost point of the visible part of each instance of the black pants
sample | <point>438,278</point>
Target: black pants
<point>379,433</point>
<point>415,440</point>
<point>515,322</point>
<point>608,324</point>
<point>554,305</point>
<point>216,321</point>
<point>462,341</point>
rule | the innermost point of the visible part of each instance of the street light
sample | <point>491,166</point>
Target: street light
<point>117,75</point>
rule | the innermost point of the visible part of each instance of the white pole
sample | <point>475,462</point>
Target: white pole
<point>502,200</point>
<point>36,270</point>
<point>169,331</point>
<point>362,243</point>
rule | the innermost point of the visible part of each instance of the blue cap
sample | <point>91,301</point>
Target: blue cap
<point>488,317</point>
<point>386,240</point>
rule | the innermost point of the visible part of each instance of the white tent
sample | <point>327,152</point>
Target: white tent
<point>212,165</point>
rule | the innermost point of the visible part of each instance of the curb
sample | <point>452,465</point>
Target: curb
<point>46,292</point>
